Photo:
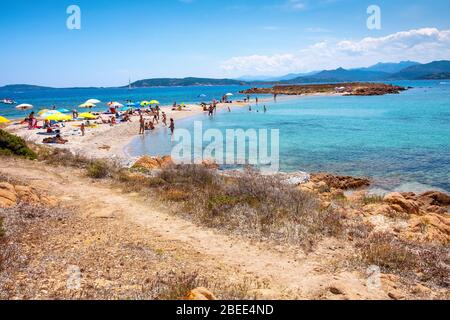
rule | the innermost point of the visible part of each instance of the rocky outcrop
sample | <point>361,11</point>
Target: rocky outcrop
<point>339,182</point>
<point>351,89</point>
<point>153,163</point>
<point>11,195</point>
<point>200,294</point>
<point>400,204</point>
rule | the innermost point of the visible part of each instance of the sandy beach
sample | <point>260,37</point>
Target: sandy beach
<point>108,142</point>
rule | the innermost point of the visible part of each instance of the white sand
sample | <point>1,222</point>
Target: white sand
<point>108,142</point>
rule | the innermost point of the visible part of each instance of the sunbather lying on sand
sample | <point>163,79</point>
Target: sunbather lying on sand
<point>56,140</point>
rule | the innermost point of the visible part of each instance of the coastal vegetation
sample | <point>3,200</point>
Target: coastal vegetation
<point>13,145</point>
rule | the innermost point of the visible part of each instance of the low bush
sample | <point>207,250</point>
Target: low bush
<point>258,206</point>
<point>98,170</point>
<point>11,145</point>
<point>427,262</point>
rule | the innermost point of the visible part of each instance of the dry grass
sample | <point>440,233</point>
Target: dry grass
<point>253,205</point>
<point>424,262</point>
<point>372,199</point>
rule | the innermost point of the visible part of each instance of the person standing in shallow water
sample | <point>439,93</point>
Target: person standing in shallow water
<point>141,125</point>
<point>164,118</point>
<point>172,126</point>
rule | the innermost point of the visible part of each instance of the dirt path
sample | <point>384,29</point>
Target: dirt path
<point>290,274</point>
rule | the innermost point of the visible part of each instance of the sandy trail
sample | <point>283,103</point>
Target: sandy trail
<point>291,274</point>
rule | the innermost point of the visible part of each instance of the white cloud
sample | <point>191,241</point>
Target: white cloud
<point>421,45</point>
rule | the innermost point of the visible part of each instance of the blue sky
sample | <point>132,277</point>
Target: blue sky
<point>210,38</point>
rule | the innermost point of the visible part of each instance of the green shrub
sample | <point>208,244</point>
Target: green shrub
<point>98,170</point>
<point>11,145</point>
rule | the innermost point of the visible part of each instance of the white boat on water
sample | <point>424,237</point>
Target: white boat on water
<point>8,101</point>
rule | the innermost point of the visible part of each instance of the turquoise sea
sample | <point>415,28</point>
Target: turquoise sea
<point>401,141</point>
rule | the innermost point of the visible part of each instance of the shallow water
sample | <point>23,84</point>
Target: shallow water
<point>402,141</point>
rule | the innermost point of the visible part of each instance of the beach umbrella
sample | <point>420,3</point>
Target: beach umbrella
<point>63,110</point>
<point>131,104</point>
<point>43,111</point>
<point>125,108</point>
<point>154,102</point>
<point>87,115</point>
<point>3,120</point>
<point>24,106</point>
<point>115,105</point>
<point>229,94</point>
<point>49,113</point>
<point>93,101</point>
<point>145,103</point>
<point>58,117</point>
<point>87,105</point>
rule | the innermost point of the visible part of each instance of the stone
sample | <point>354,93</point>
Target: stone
<point>201,294</point>
<point>149,163</point>
<point>337,291</point>
<point>210,164</point>
<point>340,182</point>
<point>396,295</point>
<point>398,200</point>
<point>435,198</point>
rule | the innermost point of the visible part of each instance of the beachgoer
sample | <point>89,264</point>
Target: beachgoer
<point>265,109</point>
<point>82,128</point>
<point>257,100</point>
<point>164,118</point>
<point>141,125</point>
<point>172,126</point>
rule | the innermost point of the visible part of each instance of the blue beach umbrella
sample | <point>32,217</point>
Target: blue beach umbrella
<point>63,110</point>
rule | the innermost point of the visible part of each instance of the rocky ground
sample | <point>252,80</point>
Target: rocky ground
<point>57,222</point>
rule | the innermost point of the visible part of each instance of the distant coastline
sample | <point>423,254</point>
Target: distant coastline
<point>406,70</point>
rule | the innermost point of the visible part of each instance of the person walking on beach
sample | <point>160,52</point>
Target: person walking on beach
<point>82,129</point>
<point>275,97</point>
<point>257,100</point>
<point>265,109</point>
<point>141,125</point>
<point>172,126</point>
<point>164,119</point>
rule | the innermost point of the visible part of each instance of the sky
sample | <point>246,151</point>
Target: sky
<point>120,40</point>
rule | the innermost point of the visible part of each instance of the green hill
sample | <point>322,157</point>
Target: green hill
<point>185,82</point>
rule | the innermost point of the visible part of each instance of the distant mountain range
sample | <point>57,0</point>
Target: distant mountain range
<point>405,70</point>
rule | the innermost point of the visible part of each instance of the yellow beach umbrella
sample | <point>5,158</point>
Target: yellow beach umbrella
<point>3,120</point>
<point>145,103</point>
<point>87,115</point>
<point>40,113</point>
<point>87,105</point>
<point>58,117</point>
<point>154,102</point>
